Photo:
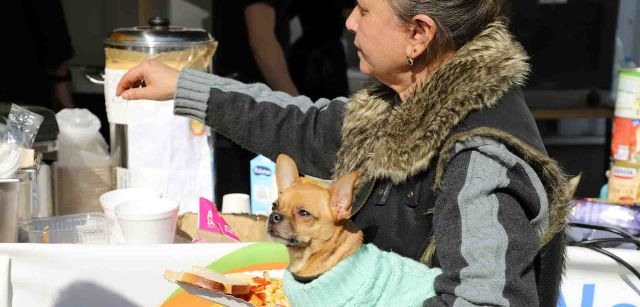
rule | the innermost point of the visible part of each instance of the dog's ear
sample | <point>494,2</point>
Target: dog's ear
<point>341,192</point>
<point>286,172</point>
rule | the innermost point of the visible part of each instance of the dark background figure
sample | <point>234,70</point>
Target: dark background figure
<point>234,25</point>
<point>253,38</point>
<point>317,59</point>
<point>37,45</point>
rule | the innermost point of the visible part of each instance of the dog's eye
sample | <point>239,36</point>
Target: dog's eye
<point>304,213</point>
<point>274,206</point>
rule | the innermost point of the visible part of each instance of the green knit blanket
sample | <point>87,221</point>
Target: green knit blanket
<point>370,277</point>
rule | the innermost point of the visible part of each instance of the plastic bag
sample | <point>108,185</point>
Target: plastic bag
<point>80,143</point>
<point>3,133</point>
<point>9,155</point>
<point>19,132</point>
<point>22,126</point>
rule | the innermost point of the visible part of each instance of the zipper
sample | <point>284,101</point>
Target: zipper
<point>361,204</point>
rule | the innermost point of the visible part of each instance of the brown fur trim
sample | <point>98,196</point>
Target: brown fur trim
<point>382,141</point>
<point>553,178</point>
<point>429,253</point>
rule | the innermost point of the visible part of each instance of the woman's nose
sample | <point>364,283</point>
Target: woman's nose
<point>351,22</point>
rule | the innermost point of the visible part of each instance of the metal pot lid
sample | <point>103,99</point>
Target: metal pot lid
<point>158,34</point>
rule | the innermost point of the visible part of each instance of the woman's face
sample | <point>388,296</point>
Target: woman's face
<point>380,38</point>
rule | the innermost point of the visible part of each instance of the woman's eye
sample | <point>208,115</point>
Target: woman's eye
<point>362,10</point>
<point>303,213</point>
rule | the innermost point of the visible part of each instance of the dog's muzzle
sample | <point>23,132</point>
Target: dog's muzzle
<point>274,220</point>
<point>292,241</point>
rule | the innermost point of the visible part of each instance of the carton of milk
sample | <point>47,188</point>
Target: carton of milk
<point>264,190</point>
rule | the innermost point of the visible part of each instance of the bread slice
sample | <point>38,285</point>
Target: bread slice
<point>193,279</point>
<point>210,280</point>
<point>232,285</point>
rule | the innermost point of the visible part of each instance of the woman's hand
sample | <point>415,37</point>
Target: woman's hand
<point>149,80</point>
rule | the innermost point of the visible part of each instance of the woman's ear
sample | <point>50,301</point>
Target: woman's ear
<point>422,31</point>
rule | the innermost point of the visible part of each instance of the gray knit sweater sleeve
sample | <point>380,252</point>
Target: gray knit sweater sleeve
<point>265,121</point>
<point>486,221</point>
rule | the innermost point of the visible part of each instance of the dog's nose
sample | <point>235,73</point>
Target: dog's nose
<point>275,218</point>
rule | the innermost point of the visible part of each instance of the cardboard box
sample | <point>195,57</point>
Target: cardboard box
<point>249,228</point>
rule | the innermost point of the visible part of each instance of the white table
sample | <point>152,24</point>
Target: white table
<point>86,275</point>
<point>105,275</point>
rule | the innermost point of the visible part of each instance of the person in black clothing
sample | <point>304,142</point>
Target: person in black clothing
<point>254,41</point>
<point>253,38</point>
<point>37,47</point>
<point>254,47</point>
<point>317,59</point>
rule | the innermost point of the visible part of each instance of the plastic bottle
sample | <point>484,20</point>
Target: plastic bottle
<point>264,190</point>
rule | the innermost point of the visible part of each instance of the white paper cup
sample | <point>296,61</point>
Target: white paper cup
<point>110,200</point>
<point>236,203</point>
<point>148,221</point>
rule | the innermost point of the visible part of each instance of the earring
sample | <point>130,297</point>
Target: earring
<point>409,61</point>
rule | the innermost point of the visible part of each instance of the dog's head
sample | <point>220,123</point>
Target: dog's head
<point>305,214</point>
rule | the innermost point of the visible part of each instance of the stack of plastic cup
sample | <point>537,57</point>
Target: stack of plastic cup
<point>148,221</point>
<point>236,203</point>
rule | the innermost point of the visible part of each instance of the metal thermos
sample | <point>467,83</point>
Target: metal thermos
<point>156,39</point>
<point>9,223</point>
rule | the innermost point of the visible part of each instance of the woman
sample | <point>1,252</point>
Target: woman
<point>454,170</point>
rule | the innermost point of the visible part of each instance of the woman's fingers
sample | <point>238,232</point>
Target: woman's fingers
<point>149,80</point>
<point>136,93</point>
<point>132,77</point>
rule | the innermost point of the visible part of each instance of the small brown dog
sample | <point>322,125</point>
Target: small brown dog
<point>313,222</point>
<point>328,263</point>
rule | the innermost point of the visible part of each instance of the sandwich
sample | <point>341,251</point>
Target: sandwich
<point>258,291</point>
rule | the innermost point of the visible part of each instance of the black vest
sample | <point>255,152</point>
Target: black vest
<point>398,218</point>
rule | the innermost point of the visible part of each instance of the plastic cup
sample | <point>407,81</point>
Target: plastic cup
<point>110,200</point>
<point>148,221</point>
<point>236,203</point>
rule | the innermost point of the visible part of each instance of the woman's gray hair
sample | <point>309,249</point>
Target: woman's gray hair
<point>458,21</point>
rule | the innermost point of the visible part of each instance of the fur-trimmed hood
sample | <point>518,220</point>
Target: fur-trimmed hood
<point>383,141</point>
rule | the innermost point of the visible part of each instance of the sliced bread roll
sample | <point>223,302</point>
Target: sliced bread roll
<point>209,279</point>
<point>232,285</point>
<point>193,279</point>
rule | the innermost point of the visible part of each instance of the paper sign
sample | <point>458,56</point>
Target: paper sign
<point>210,220</point>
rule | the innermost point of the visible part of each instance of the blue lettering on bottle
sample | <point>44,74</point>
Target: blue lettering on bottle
<point>261,170</point>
